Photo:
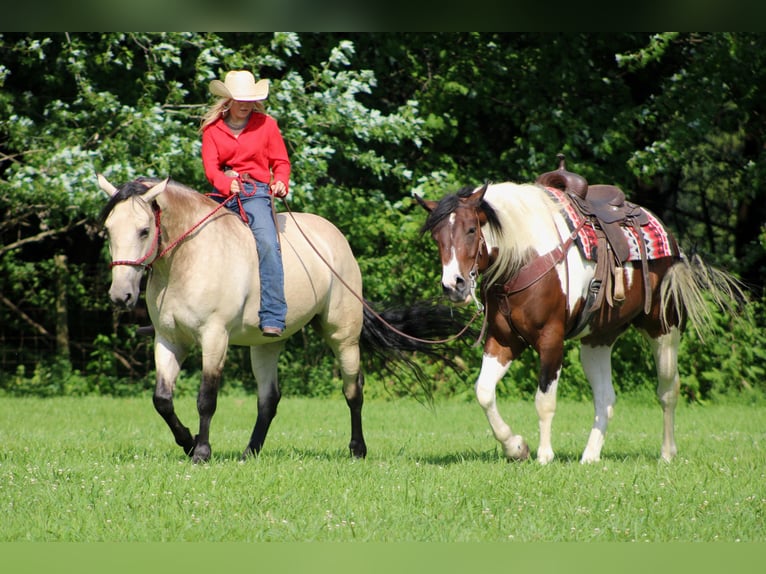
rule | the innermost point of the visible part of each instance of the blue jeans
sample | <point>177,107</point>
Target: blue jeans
<point>256,203</point>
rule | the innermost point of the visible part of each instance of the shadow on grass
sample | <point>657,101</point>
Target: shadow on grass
<point>495,456</point>
<point>287,453</point>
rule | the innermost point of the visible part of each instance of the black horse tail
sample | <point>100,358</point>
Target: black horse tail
<point>394,336</point>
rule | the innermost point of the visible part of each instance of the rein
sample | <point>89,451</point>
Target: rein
<point>155,243</point>
<point>367,305</point>
<point>155,247</point>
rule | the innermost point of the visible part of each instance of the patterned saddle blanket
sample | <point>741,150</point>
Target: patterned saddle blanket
<point>657,241</point>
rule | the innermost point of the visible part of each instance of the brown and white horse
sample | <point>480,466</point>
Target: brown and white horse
<point>537,289</point>
<point>203,291</point>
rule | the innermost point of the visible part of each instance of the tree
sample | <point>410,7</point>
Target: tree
<point>129,105</point>
<point>674,119</point>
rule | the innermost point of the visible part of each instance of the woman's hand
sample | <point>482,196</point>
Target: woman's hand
<point>278,189</point>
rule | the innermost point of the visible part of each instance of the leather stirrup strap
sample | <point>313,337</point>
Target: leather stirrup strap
<point>644,266</point>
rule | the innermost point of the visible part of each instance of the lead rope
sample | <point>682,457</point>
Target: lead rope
<point>366,305</point>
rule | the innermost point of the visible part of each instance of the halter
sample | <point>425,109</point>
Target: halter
<point>153,249</point>
<point>156,242</point>
<point>473,274</point>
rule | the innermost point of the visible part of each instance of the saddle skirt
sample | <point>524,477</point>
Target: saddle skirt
<point>655,238</point>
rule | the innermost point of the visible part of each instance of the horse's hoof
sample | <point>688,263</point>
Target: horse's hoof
<point>201,453</point>
<point>517,450</point>
<point>358,450</point>
<point>545,457</point>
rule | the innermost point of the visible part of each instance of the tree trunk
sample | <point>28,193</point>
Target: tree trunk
<point>62,319</point>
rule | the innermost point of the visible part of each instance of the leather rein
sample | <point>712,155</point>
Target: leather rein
<point>154,249</point>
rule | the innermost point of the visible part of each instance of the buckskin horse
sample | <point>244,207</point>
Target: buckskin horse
<point>560,259</point>
<point>203,290</point>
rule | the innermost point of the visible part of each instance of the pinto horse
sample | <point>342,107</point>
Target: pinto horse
<point>538,274</point>
<point>203,290</point>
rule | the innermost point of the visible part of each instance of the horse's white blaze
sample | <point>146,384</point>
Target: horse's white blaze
<point>451,271</point>
<point>492,371</point>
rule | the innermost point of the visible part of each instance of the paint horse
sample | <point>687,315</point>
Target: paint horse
<point>543,282</point>
<point>203,290</point>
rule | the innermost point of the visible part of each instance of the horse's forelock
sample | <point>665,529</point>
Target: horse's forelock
<point>448,204</point>
<point>443,209</point>
<point>130,189</point>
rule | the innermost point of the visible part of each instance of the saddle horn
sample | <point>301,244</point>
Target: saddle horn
<point>563,179</point>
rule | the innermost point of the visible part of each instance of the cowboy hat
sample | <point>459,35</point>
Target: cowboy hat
<point>240,85</point>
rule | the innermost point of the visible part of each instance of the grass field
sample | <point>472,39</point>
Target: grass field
<point>107,470</point>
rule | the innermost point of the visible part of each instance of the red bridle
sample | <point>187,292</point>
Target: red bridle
<point>153,249</point>
<point>142,262</point>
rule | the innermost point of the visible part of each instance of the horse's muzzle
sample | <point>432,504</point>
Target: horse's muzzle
<point>460,294</point>
<point>123,299</point>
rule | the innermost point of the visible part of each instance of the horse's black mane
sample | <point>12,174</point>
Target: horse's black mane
<point>450,203</point>
<point>139,186</point>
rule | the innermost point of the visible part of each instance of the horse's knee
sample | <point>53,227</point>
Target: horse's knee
<point>163,404</point>
<point>207,403</point>
<point>207,398</point>
<point>485,396</point>
<point>354,392</point>
<point>268,401</point>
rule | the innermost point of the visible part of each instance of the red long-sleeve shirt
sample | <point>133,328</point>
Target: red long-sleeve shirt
<point>258,151</point>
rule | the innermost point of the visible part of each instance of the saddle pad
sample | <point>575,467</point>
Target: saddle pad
<point>653,234</point>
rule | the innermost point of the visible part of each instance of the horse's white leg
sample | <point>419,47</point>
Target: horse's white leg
<point>545,403</point>
<point>665,350</point>
<point>263,361</point>
<point>214,344</point>
<point>492,370</point>
<point>597,364</point>
<point>167,360</point>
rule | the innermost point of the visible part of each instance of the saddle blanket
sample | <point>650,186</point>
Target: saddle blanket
<point>655,237</point>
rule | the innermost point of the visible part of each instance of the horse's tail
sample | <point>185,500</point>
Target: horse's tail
<point>426,328</point>
<point>691,287</point>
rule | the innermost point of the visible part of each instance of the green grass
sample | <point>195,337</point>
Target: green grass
<point>102,469</point>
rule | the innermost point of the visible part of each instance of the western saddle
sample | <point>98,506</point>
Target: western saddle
<point>607,211</point>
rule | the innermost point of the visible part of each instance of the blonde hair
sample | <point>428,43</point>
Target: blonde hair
<point>220,109</point>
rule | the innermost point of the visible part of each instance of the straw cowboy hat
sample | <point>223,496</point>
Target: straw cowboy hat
<point>240,85</point>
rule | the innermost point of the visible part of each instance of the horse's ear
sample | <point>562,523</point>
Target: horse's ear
<point>153,192</point>
<point>481,191</point>
<point>104,184</point>
<point>427,204</point>
<point>475,199</point>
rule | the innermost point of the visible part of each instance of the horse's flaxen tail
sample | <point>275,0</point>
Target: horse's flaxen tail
<point>691,289</point>
<point>395,335</point>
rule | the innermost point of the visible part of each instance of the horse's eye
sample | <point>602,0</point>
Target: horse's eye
<point>144,233</point>
<point>471,230</point>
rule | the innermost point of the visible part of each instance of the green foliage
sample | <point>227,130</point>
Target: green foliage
<point>370,119</point>
<point>730,363</point>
